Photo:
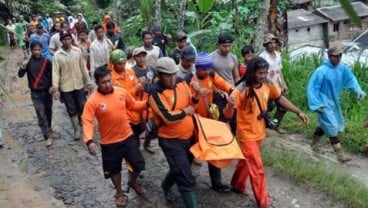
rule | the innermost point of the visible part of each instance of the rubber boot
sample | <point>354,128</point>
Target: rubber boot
<point>190,199</point>
<point>166,186</point>
<point>279,115</point>
<point>76,127</point>
<point>341,157</point>
<point>216,182</point>
<point>314,144</point>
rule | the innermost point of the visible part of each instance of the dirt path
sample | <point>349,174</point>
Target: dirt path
<point>66,175</point>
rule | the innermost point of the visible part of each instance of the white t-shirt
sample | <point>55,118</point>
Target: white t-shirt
<point>275,66</point>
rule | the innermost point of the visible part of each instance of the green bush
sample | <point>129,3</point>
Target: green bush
<point>297,74</point>
<point>3,36</point>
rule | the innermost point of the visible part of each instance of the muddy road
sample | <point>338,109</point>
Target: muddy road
<point>67,176</point>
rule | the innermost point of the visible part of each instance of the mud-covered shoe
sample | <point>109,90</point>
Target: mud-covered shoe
<point>315,143</point>
<point>48,142</point>
<point>137,187</point>
<point>121,200</point>
<point>341,157</point>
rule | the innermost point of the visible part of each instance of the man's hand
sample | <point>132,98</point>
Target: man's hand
<point>231,101</point>
<point>139,87</point>
<point>25,63</point>
<point>360,96</point>
<point>320,110</point>
<point>303,117</point>
<point>285,90</point>
<point>189,110</point>
<point>89,88</point>
<point>56,95</point>
<point>92,148</point>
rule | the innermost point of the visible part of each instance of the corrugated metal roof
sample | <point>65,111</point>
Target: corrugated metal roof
<point>301,18</point>
<point>336,13</point>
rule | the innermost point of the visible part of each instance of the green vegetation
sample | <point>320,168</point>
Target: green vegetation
<point>316,175</point>
<point>297,74</point>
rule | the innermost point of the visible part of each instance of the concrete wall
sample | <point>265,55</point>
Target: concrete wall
<point>302,35</point>
<point>346,29</point>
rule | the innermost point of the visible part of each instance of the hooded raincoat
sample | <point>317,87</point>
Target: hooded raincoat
<point>323,92</point>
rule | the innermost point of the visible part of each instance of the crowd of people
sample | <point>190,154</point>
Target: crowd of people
<point>144,92</point>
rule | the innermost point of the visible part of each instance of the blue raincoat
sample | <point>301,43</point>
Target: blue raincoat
<point>324,90</point>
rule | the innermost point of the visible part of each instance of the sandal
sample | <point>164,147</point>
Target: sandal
<point>121,200</point>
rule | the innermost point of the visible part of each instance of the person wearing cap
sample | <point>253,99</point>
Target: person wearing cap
<point>159,39</point>
<point>181,42</point>
<point>70,79</point>
<point>125,78</point>
<point>43,37</point>
<point>100,49</point>
<point>324,89</point>
<point>187,59</point>
<point>145,74</point>
<point>204,81</point>
<point>153,52</point>
<point>109,105</point>
<point>172,103</point>
<point>273,57</point>
<point>226,65</point>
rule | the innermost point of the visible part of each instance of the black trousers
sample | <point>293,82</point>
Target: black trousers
<point>42,102</point>
<point>74,101</point>
<point>180,161</point>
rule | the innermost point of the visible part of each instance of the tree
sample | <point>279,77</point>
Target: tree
<point>157,19</point>
<point>182,8</point>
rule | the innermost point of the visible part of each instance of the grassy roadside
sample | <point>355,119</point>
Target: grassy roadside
<point>316,175</point>
<point>297,74</point>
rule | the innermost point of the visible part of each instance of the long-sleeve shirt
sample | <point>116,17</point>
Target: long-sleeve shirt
<point>211,82</point>
<point>100,53</point>
<point>37,80</point>
<point>69,71</point>
<point>110,111</point>
<point>168,107</point>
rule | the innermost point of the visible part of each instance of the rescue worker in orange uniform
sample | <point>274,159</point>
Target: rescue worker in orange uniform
<point>126,78</point>
<point>172,103</point>
<point>109,105</point>
<point>203,81</point>
<point>251,126</point>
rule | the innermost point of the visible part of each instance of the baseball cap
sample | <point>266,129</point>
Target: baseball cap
<point>166,65</point>
<point>181,36</point>
<point>64,34</point>
<point>138,51</point>
<point>117,55</point>
<point>188,52</point>
<point>225,38</point>
<point>268,38</point>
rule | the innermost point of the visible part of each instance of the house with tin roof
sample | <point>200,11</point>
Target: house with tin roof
<point>339,25</point>
<point>304,27</point>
